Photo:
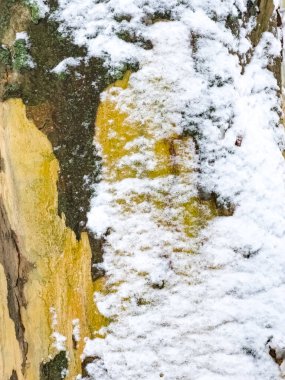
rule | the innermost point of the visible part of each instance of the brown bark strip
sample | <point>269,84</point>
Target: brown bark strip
<point>16,270</point>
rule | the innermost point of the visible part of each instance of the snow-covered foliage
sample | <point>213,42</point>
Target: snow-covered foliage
<point>177,315</point>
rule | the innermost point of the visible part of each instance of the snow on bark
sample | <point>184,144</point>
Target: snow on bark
<point>220,311</point>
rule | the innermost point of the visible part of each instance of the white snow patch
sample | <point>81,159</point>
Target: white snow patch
<point>64,64</point>
<point>59,341</point>
<point>54,321</point>
<point>76,330</point>
<point>22,36</point>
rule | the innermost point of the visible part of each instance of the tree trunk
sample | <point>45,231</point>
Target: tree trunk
<point>141,161</point>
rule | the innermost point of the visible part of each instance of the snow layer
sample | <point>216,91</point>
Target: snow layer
<point>216,311</point>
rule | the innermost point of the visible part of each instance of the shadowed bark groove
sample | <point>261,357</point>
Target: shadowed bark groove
<point>16,271</point>
<point>14,376</point>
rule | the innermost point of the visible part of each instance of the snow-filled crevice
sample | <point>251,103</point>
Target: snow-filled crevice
<point>184,307</point>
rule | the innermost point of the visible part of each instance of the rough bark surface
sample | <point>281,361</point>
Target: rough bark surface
<point>42,249</point>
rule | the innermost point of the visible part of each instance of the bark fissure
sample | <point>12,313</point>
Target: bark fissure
<point>16,270</point>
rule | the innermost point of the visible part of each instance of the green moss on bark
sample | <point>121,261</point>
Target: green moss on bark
<point>20,57</point>
<point>55,369</point>
<point>34,10</point>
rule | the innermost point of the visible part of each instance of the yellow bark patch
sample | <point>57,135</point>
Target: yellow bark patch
<point>59,283</point>
<point>116,136</point>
